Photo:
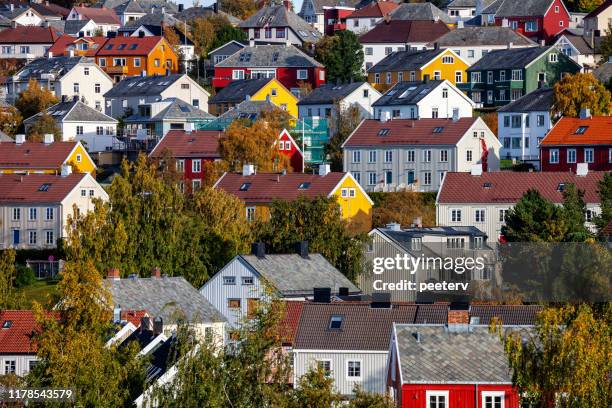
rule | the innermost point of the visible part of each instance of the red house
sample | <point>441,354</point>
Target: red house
<point>287,146</point>
<point>190,150</point>
<point>578,140</point>
<point>335,18</point>
<point>289,65</point>
<point>454,365</point>
<point>538,19</point>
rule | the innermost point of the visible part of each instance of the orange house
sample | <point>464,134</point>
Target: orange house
<point>133,56</point>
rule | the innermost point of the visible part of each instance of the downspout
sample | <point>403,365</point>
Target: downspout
<point>476,397</point>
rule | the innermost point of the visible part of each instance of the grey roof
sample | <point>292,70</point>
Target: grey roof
<point>409,60</point>
<point>248,109</point>
<point>165,297</point>
<point>582,44</point>
<point>468,3</point>
<point>5,138</point>
<point>56,65</point>
<point>11,14</point>
<point>330,93</point>
<point>72,111</point>
<point>483,35</point>
<point>420,11</point>
<point>508,59</point>
<point>524,8</point>
<point>319,4</point>
<point>493,7</point>
<point>74,26</point>
<point>192,13</point>
<point>154,19</point>
<point>603,72</point>
<point>293,275</point>
<point>270,56</point>
<point>407,93</point>
<point>146,5</point>
<point>142,86</point>
<point>447,355</point>
<point>279,16</point>
<point>540,100</point>
<point>177,109</point>
<point>237,91</point>
<point>130,6</point>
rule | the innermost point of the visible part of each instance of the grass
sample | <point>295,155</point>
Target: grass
<point>505,163</point>
<point>38,291</point>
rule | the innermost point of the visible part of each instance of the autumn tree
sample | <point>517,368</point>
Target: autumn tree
<point>342,55</point>
<point>45,124</point>
<point>491,119</point>
<point>579,91</point>
<point>212,32</point>
<point>10,120</point>
<point>9,298</point>
<point>316,389</point>
<point>605,46</point>
<point>242,9</point>
<point>604,189</point>
<point>586,6</point>
<point>365,399</point>
<point>342,124</point>
<point>34,99</point>
<point>403,208</point>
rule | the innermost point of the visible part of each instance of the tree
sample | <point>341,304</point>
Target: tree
<point>342,124</point>
<point>605,196</point>
<point>202,35</point>
<point>403,208</point>
<point>342,56</point>
<point>605,46</point>
<point>9,298</point>
<point>490,119</point>
<point>574,210</point>
<point>34,99</point>
<point>242,9</point>
<point>579,91</point>
<point>43,125</point>
<point>316,389</point>
<point>10,120</point>
<point>365,399</point>
<point>586,6</point>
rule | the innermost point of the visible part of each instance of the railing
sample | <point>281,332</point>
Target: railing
<point>123,69</point>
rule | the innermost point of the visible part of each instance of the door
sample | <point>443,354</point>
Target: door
<point>410,177</point>
<point>388,177</point>
<point>15,237</point>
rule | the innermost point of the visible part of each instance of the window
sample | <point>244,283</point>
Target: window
<point>356,156</point>
<point>412,75</point>
<point>49,238</point>
<point>479,215</point>
<point>10,366</point>
<point>32,237</point>
<point>581,130</point>
<point>531,26</point>
<point>427,178</point>
<point>353,369</point>
<point>229,280</point>
<point>237,74</point>
<point>502,75</point>
<point>49,213</point>
<point>372,156</point>
<point>447,59</point>
<point>79,130</point>
<point>426,156</point>
<point>388,156</point>
<point>468,155</point>
<point>470,53</point>
<point>196,166</point>
<point>456,215</point>
<point>517,75</point>
<point>335,322</point>
<point>503,213</point>
<point>553,56</point>
<point>388,77</point>
<point>476,77</point>
<point>247,280</point>
<point>540,120</point>
<point>445,93</point>
<point>75,88</point>
<point>180,165</point>
<point>541,76</point>
<point>302,74</point>
<point>437,75</point>
<point>437,399</point>
<point>233,303</point>
<point>554,156</point>
<point>458,77</point>
<point>410,155</point>
<point>489,96</point>
<point>588,155</point>
<point>493,399</point>
<point>136,62</point>
<point>489,77</point>
<point>400,76</point>
<point>16,214</point>
<point>443,155</point>
<point>250,213</point>
<point>91,193</point>
<point>156,62</point>
<point>32,214</point>
<point>371,178</point>
<point>588,215</point>
<point>25,49</point>
<point>416,243</point>
<point>325,366</point>
<point>102,62</point>
<point>280,33</point>
<point>571,155</point>
<point>516,121</point>
<point>556,9</point>
<point>476,97</point>
<point>388,50</point>
<point>357,176</point>
<point>368,51</point>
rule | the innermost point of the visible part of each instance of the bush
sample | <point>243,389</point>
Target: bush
<point>25,276</point>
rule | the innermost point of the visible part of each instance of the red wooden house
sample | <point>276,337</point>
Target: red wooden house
<point>537,19</point>
<point>289,65</point>
<point>288,147</point>
<point>454,365</point>
<point>190,150</point>
<point>578,140</point>
<point>335,18</point>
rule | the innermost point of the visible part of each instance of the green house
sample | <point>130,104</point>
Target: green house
<point>503,76</point>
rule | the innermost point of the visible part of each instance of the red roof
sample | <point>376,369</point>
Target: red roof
<point>409,132</point>
<point>16,338</point>
<point>61,45</point>
<point>596,130</point>
<point>16,188</point>
<point>134,316</point>
<point>129,46</point>
<point>291,319</point>
<point>267,187</point>
<point>181,144</point>
<point>29,35</point>
<point>375,9</point>
<point>607,230</point>
<point>32,155</point>
<point>405,31</point>
<point>508,187</point>
<point>101,15</point>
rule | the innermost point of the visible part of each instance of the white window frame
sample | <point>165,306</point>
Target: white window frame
<point>32,214</point>
<point>444,156</point>
<point>436,393</point>
<point>196,166</point>
<point>553,153</point>
<point>569,158</point>
<point>456,214</point>
<point>302,74</point>
<point>49,214</point>
<point>346,368</point>
<point>325,360</point>
<point>238,74</point>
<point>586,155</point>
<point>250,213</point>
<point>49,237</point>
<point>480,215</point>
<point>493,394</point>
<point>356,156</point>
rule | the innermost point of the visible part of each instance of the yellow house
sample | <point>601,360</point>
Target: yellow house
<point>46,157</point>
<point>258,190</point>
<point>416,65</point>
<point>258,89</point>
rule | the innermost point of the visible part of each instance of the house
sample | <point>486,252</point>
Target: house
<point>126,96</point>
<point>248,110</point>
<point>473,42</point>
<point>17,349</point>
<point>522,125</point>
<point>186,47</point>
<point>35,207</point>
<point>260,89</point>
<point>278,24</point>
<point>350,341</point>
<point>313,11</point>
<point>597,21</point>
<point>190,150</point>
<point>586,139</point>
<point>131,10</point>
<point>22,15</point>
<point>434,242</point>
<point>483,200</point>
<point>106,19</point>
<point>134,56</point>
<point>424,99</point>
<point>78,121</point>
<point>288,147</point>
<point>224,51</point>
<point>24,42</point>
<point>398,35</point>
<point>604,72</point>
<point>259,190</point>
<point>21,157</point>
<point>503,76</point>
<point>585,51</point>
<point>538,20</point>
<point>68,45</point>
<point>364,19</point>
<point>289,65</point>
<point>171,299</point>
<point>75,28</point>
<point>236,289</point>
<point>463,10</point>
<point>420,12</point>
<point>335,16</point>
<point>475,365</point>
<point>417,154</point>
<point>64,76</point>
<point>325,100</point>
<point>436,64</point>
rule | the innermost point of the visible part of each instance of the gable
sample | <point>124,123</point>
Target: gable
<point>562,8</point>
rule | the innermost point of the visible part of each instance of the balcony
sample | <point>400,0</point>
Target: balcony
<point>123,69</point>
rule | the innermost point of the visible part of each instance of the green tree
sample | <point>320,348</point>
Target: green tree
<point>316,389</point>
<point>342,124</point>
<point>10,120</point>
<point>605,196</point>
<point>574,213</point>
<point>404,208</point>
<point>34,99</point>
<point>239,8</point>
<point>586,6</point>
<point>43,125</point>
<point>533,219</point>
<point>342,55</point>
<point>365,399</point>
<point>579,91</point>
<point>605,46</point>
<point>9,298</point>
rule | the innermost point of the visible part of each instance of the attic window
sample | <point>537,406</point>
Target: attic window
<point>488,184</point>
<point>133,46</point>
<point>275,57</point>
<point>304,186</point>
<point>109,47</point>
<point>438,129</point>
<point>245,186</point>
<point>383,132</point>
<point>561,187</point>
<point>121,46</point>
<point>44,187</point>
<point>7,324</point>
<point>335,323</point>
<point>391,92</point>
<point>581,130</point>
<point>245,57</point>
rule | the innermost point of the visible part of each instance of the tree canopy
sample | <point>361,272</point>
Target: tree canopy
<point>45,124</point>
<point>34,99</point>
<point>579,91</point>
<point>342,55</point>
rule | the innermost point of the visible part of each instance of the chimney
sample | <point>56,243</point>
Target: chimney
<point>288,43</point>
<point>258,249</point>
<point>460,24</point>
<point>425,79</point>
<point>418,222</point>
<point>216,7</point>
<point>141,34</point>
<point>384,116</point>
<point>436,18</point>
<point>50,54</point>
<point>146,323</point>
<point>585,113</point>
<point>19,139</point>
<point>387,18</point>
<point>163,10</point>
<point>343,291</point>
<point>248,170</point>
<point>458,317</point>
<point>156,272</point>
<point>436,46</point>
<point>71,53</point>
<point>510,45</point>
<point>143,73</point>
<point>381,300</point>
<point>302,249</point>
<point>117,314</point>
<point>49,138</point>
<point>417,336</point>
<point>324,169</point>
<point>75,98</point>
<point>113,273</point>
<point>287,4</point>
<point>542,43</point>
<point>394,226</point>
<point>476,170</point>
<point>582,169</point>
<point>11,7</point>
<point>158,326</point>
<point>322,295</point>
<point>66,170</point>
<point>504,22</point>
<point>181,7</point>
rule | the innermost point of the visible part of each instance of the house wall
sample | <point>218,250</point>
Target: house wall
<point>599,22</point>
<point>41,225</point>
<point>357,210</point>
<point>294,154</point>
<point>284,99</point>
<point>29,18</point>
<point>361,25</point>
<point>473,53</point>
<point>374,53</point>
<point>602,158</point>
<point>224,52</point>
<point>188,90</point>
<point>556,20</point>
<point>16,51</point>
<point>80,161</point>
<point>373,368</point>
<point>83,202</point>
<point>22,363</point>
<point>459,395</point>
<point>355,98</point>
<point>289,36</point>
<point>286,76</point>
<point>513,139</point>
<point>553,70</point>
<point>91,140</point>
<point>86,84</point>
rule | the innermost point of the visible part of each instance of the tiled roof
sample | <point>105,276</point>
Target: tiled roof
<point>291,319</point>
<point>436,313</point>
<point>603,72</point>
<point>279,16</point>
<point>405,60</point>
<point>17,338</point>
<point>598,131</point>
<point>492,7</point>
<point>133,316</point>
<point>129,46</point>
<point>49,9</point>
<point>405,31</point>
<point>540,100</point>
<point>526,8</point>
<point>329,93</point>
<point>508,187</point>
<point>142,86</point>
<point>372,132</point>
<point>269,56</point>
<point>73,111</point>
<point>58,66</point>
<point>374,9</point>
<point>485,35</point>
<point>293,275</point>
<point>607,230</point>
<point>99,15</point>
<point>32,155</point>
<point>182,144</point>
<point>29,35</point>
<point>166,297</point>
<point>266,187</point>
<point>237,91</point>
<point>600,9</point>
<point>508,58</point>
<point>16,188</point>
<point>420,11</point>
<point>407,93</point>
<point>508,314</point>
<point>67,42</point>
<point>439,354</point>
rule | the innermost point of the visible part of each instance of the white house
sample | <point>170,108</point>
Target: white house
<point>129,11</point>
<point>523,124</point>
<point>597,21</point>
<point>25,42</point>
<point>106,19</point>
<point>583,50</point>
<point>425,99</point>
<point>17,351</point>
<point>23,16</point>
<point>322,101</point>
<point>278,24</point>
<point>364,19</point>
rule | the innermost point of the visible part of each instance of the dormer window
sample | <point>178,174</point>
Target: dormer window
<point>245,186</point>
<point>7,324</point>
<point>335,323</point>
<point>383,132</point>
<point>581,130</point>
<point>438,129</point>
<point>561,187</point>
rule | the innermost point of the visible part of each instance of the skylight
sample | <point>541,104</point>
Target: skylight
<point>121,46</point>
<point>109,47</point>
<point>44,187</point>
<point>275,57</point>
<point>304,186</point>
<point>561,187</point>
<point>383,132</point>
<point>7,324</point>
<point>335,323</point>
<point>438,129</point>
<point>245,186</point>
<point>581,130</point>
<point>487,184</point>
<point>133,46</point>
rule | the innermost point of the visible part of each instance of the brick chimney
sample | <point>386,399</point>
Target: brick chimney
<point>156,272</point>
<point>113,273</point>
<point>458,317</point>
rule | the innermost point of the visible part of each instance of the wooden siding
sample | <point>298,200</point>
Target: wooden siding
<point>22,363</point>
